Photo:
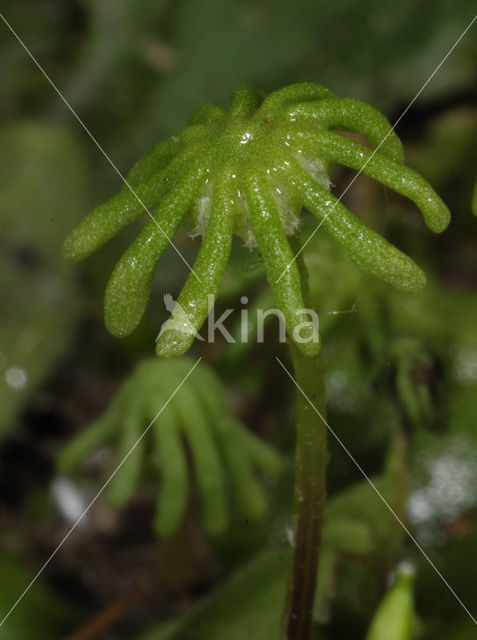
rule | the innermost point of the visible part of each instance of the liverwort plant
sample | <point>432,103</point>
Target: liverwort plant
<point>249,170</point>
<point>200,416</point>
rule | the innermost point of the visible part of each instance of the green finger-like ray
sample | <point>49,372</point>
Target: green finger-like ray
<point>282,271</point>
<point>104,222</point>
<point>207,114</point>
<point>204,281</point>
<point>100,432</point>
<point>212,394</point>
<point>245,101</point>
<point>299,92</point>
<point>367,248</point>
<point>352,115</point>
<point>152,162</point>
<point>474,200</point>
<point>250,494</point>
<point>404,180</point>
<point>129,286</point>
<point>85,443</point>
<point>263,455</point>
<point>207,465</point>
<point>171,155</point>
<point>169,162</point>
<point>130,454</point>
<point>171,457</point>
<point>194,133</point>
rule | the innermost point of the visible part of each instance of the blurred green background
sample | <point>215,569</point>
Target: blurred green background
<point>400,367</point>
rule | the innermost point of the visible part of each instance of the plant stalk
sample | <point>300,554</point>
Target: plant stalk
<point>310,488</point>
